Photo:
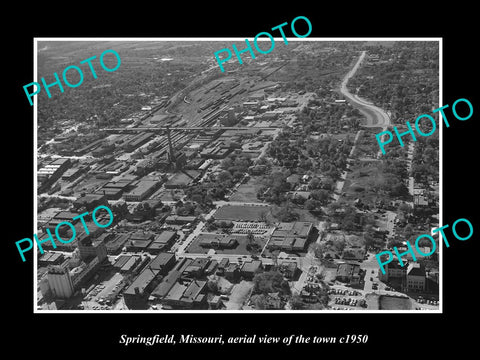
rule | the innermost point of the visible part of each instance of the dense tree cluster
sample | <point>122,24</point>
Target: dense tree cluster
<point>274,187</point>
<point>270,282</point>
<point>348,217</point>
<point>216,187</point>
<point>404,81</point>
<point>425,162</point>
<point>313,70</point>
<point>324,117</point>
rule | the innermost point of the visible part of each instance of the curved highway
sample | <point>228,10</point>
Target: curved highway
<point>376,117</point>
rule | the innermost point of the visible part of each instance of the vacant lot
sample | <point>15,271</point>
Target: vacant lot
<point>394,303</point>
<point>241,212</point>
<point>239,295</point>
<point>361,180</point>
<point>247,192</point>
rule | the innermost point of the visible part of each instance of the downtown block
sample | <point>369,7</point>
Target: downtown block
<point>58,231</point>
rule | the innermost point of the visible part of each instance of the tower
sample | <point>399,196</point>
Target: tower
<point>60,282</point>
<point>89,249</point>
<point>171,154</point>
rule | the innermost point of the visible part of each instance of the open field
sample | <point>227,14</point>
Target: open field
<point>241,212</point>
<point>239,295</point>
<point>394,303</point>
<point>247,192</point>
<point>360,181</point>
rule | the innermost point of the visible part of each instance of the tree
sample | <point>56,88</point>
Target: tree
<point>321,195</point>
<point>264,218</point>
<point>339,243</point>
<point>408,231</point>
<point>270,281</point>
<point>120,210</point>
<point>274,256</point>
<point>317,250</point>
<point>198,198</point>
<point>394,242</point>
<point>212,286</point>
<point>405,208</point>
<point>286,213</point>
<point>145,206</point>
<point>314,183</point>
<point>368,239</point>
<point>310,204</point>
<point>258,301</point>
<point>296,302</point>
<point>185,210</point>
<point>250,238</point>
<point>224,177</point>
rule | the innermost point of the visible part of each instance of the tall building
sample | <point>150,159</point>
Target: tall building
<point>416,278</point>
<point>89,248</point>
<point>60,282</point>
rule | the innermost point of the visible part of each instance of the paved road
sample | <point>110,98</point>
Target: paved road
<point>221,203</point>
<point>375,116</point>
<point>340,183</point>
<point>72,198</point>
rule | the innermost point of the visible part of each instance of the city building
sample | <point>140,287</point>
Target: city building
<point>114,242</point>
<point>289,269</point>
<point>137,141</point>
<point>393,270</point>
<point>141,190</point>
<point>348,272</point>
<point>51,172</point>
<point>222,266</point>
<point>250,268</point>
<point>186,295</point>
<point>163,262</point>
<point>60,282</point>
<point>74,173</point>
<point>162,242</point>
<point>232,272</point>
<point>139,241</point>
<point>217,241</point>
<point>181,180</point>
<point>351,253</point>
<point>126,263</point>
<point>211,267</point>
<point>137,294</point>
<point>291,236</point>
<point>89,248</point>
<point>416,278</point>
<point>49,258</point>
<point>180,220</point>
<point>215,302</point>
<point>196,268</point>
<point>171,279</point>
<point>90,201</point>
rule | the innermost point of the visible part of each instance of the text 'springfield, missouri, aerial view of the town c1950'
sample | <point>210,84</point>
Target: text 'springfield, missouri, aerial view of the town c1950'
<point>258,188</point>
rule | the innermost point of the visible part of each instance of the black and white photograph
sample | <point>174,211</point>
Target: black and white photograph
<point>218,180</point>
<point>255,188</point>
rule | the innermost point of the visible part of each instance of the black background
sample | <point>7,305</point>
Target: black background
<point>91,334</point>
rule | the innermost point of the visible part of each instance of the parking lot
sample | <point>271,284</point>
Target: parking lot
<point>348,299</point>
<point>426,303</point>
<point>96,299</point>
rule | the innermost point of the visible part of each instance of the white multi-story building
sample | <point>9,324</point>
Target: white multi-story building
<point>416,278</point>
<point>60,282</point>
